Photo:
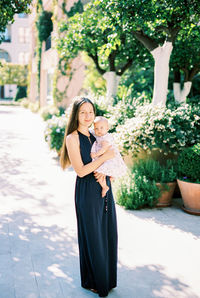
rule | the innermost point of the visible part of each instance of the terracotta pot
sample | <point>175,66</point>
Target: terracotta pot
<point>165,200</point>
<point>190,193</point>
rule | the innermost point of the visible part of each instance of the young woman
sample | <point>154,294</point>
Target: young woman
<point>96,216</point>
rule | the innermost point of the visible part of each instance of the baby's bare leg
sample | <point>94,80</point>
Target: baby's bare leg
<point>104,186</point>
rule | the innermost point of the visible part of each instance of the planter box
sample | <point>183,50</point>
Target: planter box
<point>190,193</point>
<point>165,200</point>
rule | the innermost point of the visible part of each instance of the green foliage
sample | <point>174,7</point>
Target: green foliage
<point>157,172</point>
<point>93,81</point>
<point>44,25</point>
<point>47,112</point>
<point>154,127</point>
<point>124,109</point>
<point>61,110</point>
<point>109,47</point>
<point>139,78</point>
<point>136,191</point>
<point>54,132</point>
<point>186,52</point>
<point>76,8</point>
<point>21,92</point>
<point>189,164</point>
<point>11,73</point>
<point>7,11</point>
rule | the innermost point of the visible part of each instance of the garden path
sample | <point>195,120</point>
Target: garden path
<point>158,248</point>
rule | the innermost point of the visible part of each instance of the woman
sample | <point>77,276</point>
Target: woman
<point>96,217</point>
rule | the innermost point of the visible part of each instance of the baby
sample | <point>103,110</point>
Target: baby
<point>114,167</point>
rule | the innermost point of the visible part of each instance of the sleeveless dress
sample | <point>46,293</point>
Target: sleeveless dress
<point>97,228</point>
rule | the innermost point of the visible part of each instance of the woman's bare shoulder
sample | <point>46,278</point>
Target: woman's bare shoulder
<point>72,137</point>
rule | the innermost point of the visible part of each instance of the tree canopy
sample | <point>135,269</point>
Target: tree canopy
<point>8,9</point>
<point>110,48</point>
<point>11,73</point>
<point>185,57</point>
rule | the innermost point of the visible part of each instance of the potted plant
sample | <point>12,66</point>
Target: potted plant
<point>148,184</point>
<point>164,175</point>
<point>189,178</point>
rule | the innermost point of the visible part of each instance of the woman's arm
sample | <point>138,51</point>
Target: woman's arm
<point>73,148</point>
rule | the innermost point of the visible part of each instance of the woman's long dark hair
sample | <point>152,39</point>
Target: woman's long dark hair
<point>72,126</point>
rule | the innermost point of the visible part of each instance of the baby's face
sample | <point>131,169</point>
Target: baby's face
<point>100,128</point>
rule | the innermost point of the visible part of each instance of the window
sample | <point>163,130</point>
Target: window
<point>22,15</point>
<point>24,35</point>
<point>7,34</point>
<point>4,55</point>
<point>23,58</point>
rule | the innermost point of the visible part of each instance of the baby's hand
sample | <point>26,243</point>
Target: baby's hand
<point>93,154</point>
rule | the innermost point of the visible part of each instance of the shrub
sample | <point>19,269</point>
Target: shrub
<point>24,102</point>
<point>136,191</point>
<point>189,164</point>
<point>120,109</point>
<point>154,127</point>
<point>47,112</point>
<point>54,132</point>
<point>61,110</point>
<point>21,92</point>
<point>34,106</point>
<point>154,171</point>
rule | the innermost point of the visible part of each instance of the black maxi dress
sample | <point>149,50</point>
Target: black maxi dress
<point>97,228</point>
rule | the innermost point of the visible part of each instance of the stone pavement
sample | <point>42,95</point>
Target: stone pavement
<point>159,249</point>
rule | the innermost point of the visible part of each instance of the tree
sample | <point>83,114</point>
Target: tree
<point>7,11</point>
<point>112,50</point>
<point>185,61</point>
<point>11,73</point>
<point>155,24</point>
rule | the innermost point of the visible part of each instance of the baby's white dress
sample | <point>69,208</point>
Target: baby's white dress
<point>114,167</point>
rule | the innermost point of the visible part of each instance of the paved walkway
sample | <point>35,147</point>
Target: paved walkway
<point>159,249</point>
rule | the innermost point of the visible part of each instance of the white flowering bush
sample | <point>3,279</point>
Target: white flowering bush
<point>55,129</point>
<point>48,111</point>
<point>117,113</point>
<point>54,132</point>
<point>153,127</point>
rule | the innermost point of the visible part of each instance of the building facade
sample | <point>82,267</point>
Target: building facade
<point>15,48</point>
<point>53,86</point>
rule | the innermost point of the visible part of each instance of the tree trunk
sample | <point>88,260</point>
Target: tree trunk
<point>181,94</point>
<point>161,73</point>
<point>112,80</point>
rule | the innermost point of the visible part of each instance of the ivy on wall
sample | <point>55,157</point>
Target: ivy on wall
<point>61,69</point>
<point>44,27</point>
<point>11,73</point>
<point>39,9</point>
<point>77,7</point>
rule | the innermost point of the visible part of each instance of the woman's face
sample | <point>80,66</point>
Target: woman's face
<point>86,114</point>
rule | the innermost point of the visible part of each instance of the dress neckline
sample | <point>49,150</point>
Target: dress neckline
<point>84,134</point>
<point>88,137</point>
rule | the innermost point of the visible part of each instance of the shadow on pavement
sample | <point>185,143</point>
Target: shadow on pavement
<point>149,281</point>
<point>43,260</point>
<point>173,217</point>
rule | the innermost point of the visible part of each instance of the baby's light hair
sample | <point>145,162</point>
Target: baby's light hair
<point>99,119</point>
